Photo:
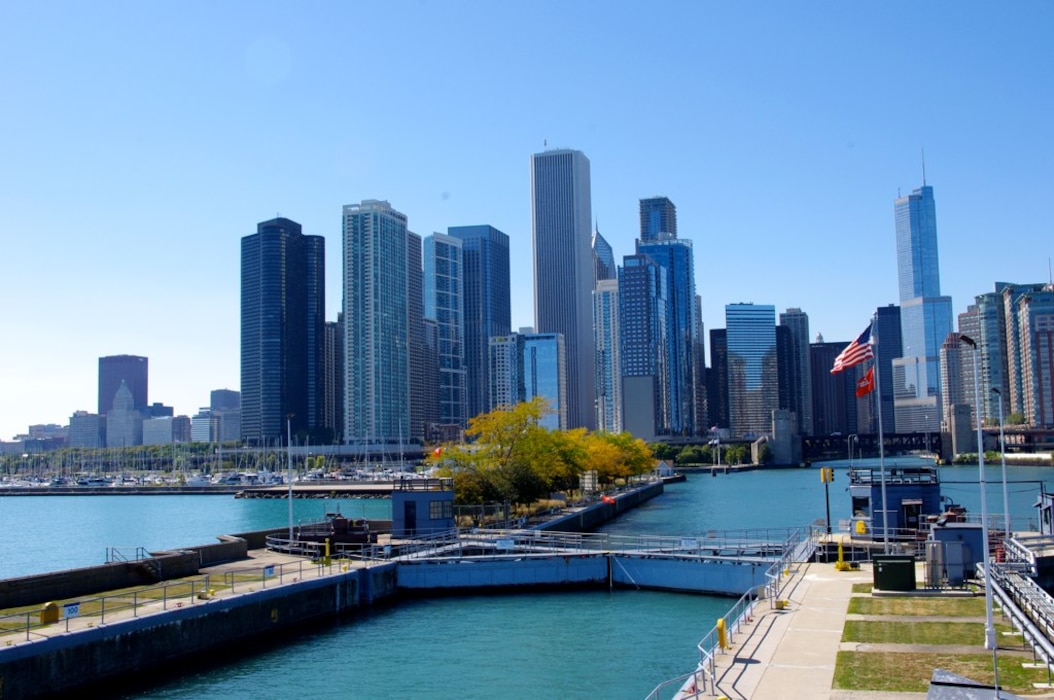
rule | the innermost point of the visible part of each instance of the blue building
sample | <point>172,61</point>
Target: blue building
<point>564,273</point>
<point>526,365</point>
<point>674,256</point>
<point>378,267</point>
<point>487,310</point>
<point>603,258</point>
<point>753,374</point>
<point>925,315</point>
<point>283,311</point>
<point>609,370</point>
<point>444,282</point>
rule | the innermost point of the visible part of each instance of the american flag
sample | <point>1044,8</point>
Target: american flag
<point>856,352</point>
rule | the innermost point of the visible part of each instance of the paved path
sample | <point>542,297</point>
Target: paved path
<point>791,653</point>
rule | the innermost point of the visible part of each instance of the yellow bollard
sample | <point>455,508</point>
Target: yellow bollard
<point>326,560</point>
<point>722,638</point>
<point>49,613</point>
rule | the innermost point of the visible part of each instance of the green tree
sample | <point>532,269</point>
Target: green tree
<point>1015,419</point>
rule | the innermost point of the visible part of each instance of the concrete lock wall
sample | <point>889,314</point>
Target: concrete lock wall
<point>59,664</point>
<point>594,516</point>
<point>694,575</point>
<point>499,572</point>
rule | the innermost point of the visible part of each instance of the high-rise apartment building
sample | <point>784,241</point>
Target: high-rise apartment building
<point>564,272</point>
<point>925,315</point>
<point>717,380</point>
<point>609,372</point>
<point>487,304</point>
<point>643,353</point>
<point>133,370</point>
<point>381,265</point>
<point>333,379</point>
<point>674,256</point>
<point>658,219</point>
<point>1035,312</point>
<point>527,365</point>
<point>444,282</point>
<point>282,320</point>
<point>799,368</point>
<point>753,375</point>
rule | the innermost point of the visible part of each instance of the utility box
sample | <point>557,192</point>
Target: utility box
<point>894,572</point>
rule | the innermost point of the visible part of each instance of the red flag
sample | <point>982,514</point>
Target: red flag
<point>866,384</point>
<point>855,352</point>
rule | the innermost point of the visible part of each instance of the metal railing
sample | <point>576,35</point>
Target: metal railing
<point>697,682</point>
<point>99,610</point>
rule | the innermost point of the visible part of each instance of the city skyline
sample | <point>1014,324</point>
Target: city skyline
<point>125,213</point>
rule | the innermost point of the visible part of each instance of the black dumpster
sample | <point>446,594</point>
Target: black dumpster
<point>894,572</point>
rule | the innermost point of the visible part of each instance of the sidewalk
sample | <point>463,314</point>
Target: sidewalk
<point>791,653</point>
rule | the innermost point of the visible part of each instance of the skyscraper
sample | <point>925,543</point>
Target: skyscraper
<point>603,258</point>
<point>925,316</point>
<point>485,255</point>
<point>675,258</point>
<point>526,365</point>
<point>658,216</point>
<point>333,384</point>
<point>609,371</point>
<point>643,353</point>
<point>444,282</point>
<point>753,375</point>
<point>717,379</point>
<point>564,272</point>
<point>133,370</point>
<point>888,346</point>
<point>377,336</point>
<point>1035,311</point>
<point>282,320</point>
<point>799,368</point>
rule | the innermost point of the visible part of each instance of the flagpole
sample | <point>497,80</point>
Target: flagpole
<point>881,438</point>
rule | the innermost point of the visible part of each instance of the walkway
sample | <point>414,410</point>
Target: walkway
<point>791,653</point>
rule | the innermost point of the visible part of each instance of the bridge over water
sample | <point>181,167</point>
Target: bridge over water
<point>832,447</point>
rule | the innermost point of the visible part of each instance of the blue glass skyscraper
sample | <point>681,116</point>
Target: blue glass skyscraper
<point>642,352</point>
<point>925,315</point>
<point>485,255</point>
<point>753,374</point>
<point>658,216</point>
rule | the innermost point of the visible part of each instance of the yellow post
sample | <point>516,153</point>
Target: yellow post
<point>49,613</point>
<point>326,560</point>
<point>722,638</point>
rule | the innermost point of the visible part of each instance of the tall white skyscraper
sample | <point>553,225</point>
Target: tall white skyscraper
<point>378,275</point>
<point>564,272</point>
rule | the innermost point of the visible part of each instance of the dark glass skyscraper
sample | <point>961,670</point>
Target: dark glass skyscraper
<point>282,325</point>
<point>888,346</point>
<point>485,253</point>
<point>642,351</point>
<point>564,273</point>
<point>798,372</point>
<point>133,370</point>
<point>658,216</point>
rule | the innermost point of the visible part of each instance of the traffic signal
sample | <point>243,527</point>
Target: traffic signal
<point>827,474</point>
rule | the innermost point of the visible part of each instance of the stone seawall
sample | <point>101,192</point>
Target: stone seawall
<point>589,519</point>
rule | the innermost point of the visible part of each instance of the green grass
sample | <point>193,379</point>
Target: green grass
<point>901,672</point>
<point>916,632</point>
<point>940,607</point>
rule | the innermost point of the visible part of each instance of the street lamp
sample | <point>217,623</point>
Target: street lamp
<point>289,469</point>
<point>1002,457</point>
<point>989,581</point>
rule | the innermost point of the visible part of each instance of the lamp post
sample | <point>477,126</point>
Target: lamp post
<point>289,469</point>
<point>1002,458</point>
<point>849,447</point>
<point>989,627</point>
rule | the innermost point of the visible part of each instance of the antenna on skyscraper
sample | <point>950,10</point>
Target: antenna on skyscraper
<point>923,167</point>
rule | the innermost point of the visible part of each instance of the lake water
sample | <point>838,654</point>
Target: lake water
<point>555,645</point>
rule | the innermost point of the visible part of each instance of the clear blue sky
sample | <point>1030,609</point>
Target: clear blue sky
<point>142,140</point>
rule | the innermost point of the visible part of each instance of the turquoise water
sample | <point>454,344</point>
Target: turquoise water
<point>555,645</point>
